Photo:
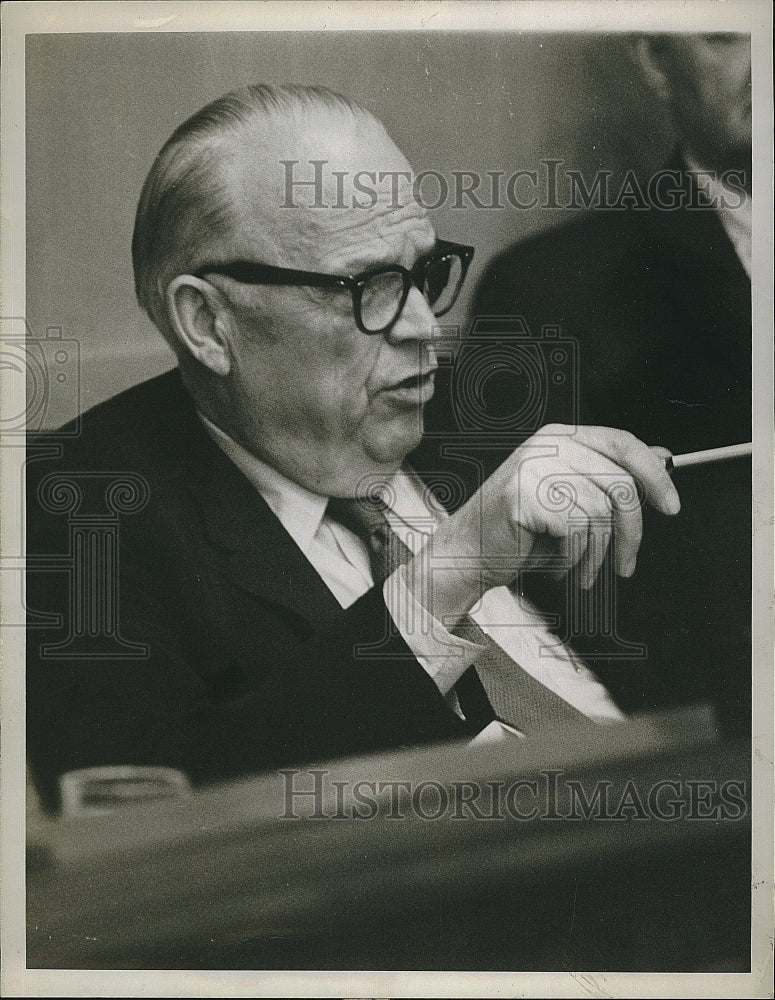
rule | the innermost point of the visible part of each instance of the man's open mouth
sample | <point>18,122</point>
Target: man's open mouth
<point>415,382</point>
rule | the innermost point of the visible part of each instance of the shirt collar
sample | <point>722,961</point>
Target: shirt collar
<point>298,510</point>
<point>412,501</point>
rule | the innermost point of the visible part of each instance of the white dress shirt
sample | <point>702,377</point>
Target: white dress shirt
<point>733,205</point>
<point>342,561</point>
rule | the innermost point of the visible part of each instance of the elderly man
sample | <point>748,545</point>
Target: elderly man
<point>252,612</point>
<point>658,299</point>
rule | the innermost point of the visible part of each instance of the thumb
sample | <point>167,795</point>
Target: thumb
<point>663,453</point>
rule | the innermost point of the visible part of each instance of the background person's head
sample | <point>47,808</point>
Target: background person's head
<point>705,82</point>
<point>284,369</point>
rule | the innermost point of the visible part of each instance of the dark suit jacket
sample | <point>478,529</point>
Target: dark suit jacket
<point>250,661</point>
<point>660,309</point>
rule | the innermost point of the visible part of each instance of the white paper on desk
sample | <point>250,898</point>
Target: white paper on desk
<point>496,732</point>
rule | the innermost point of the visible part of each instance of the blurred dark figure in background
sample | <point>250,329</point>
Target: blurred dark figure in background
<point>658,298</point>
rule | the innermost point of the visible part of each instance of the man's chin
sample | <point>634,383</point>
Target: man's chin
<point>389,448</point>
<point>350,470</point>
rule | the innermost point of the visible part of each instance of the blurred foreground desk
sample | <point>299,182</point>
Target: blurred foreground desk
<point>630,852</point>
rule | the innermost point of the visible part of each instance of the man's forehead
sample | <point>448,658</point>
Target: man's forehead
<point>307,193</point>
<point>296,159</point>
<point>360,238</point>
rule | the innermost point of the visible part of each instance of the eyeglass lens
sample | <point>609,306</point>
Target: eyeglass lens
<point>383,293</point>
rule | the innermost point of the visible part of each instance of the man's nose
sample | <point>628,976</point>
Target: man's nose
<point>416,321</point>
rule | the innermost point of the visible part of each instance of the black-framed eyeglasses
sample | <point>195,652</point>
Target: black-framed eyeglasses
<point>379,294</point>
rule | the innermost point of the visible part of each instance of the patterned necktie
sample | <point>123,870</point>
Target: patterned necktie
<point>516,697</point>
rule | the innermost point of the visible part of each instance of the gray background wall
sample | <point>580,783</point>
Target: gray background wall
<point>99,106</point>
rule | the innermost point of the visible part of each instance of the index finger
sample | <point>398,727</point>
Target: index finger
<point>645,464</point>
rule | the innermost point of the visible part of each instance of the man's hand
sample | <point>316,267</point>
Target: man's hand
<point>555,502</point>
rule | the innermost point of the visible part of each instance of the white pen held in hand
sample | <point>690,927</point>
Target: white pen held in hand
<point>710,455</point>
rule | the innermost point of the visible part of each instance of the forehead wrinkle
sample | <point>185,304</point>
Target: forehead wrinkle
<point>353,239</point>
<point>361,238</point>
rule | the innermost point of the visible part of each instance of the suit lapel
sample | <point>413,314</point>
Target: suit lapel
<point>248,543</point>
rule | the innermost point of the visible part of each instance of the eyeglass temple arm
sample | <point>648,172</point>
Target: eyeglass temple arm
<point>250,273</point>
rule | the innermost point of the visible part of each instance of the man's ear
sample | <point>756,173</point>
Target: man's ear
<point>196,312</point>
<point>647,52</point>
